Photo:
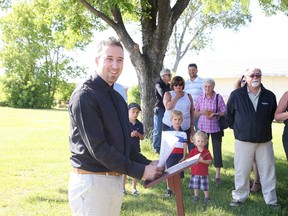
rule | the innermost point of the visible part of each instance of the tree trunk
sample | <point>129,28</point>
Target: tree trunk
<point>157,21</point>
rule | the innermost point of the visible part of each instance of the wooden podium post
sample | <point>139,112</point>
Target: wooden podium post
<point>174,181</point>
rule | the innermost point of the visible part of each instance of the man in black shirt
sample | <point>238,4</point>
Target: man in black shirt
<point>161,87</point>
<point>100,139</point>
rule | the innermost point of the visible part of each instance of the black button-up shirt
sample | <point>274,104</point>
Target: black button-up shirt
<point>99,131</point>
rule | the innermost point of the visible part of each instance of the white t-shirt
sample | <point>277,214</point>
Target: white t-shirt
<point>183,104</point>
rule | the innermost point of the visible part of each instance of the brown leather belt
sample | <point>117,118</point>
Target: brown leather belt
<point>81,171</point>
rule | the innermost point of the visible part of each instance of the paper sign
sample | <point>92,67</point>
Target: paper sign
<point>168,142</point>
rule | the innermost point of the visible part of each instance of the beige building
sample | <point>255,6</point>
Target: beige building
<point>227,72</point>
<point>278,84</point>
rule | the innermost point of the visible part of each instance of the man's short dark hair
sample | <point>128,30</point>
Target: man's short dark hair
<point>111,41</point>
<point>192,65</point>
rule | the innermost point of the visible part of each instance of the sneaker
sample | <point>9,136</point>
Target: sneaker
<point>135,192</point>
<point>218,180</point>
<point>156,151</point>
<point>168,193</point>
<point>124,192</point>
<point>207,200</point>
<point>235,203</point>
<point>195,199</point>
<point>273,206</point>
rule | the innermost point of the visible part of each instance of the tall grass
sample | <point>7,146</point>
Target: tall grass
<point>34,172</point>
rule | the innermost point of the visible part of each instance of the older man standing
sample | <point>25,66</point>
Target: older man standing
<point>250,112</point>
<point>161,87</point>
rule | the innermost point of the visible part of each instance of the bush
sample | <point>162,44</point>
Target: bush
<point>134,94</point>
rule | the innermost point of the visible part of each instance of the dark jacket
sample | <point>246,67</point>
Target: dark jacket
<point>160,89</point>
<point>248,125</point>
<point>99,140</point>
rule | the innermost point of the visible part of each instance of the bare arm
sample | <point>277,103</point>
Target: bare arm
<point>191,115</point>
<point>184,152</point>
<point>281,114</point>
<point>170,103</point>
<point>205,161</point>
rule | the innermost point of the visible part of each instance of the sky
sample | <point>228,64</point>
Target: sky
<point>263,44</point>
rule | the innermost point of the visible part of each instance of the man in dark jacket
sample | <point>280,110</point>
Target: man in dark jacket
<point>100,139</point>
<point>250,112</point>
<point>161,87</point>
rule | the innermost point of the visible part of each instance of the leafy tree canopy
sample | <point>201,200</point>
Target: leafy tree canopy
<point>35,35</point>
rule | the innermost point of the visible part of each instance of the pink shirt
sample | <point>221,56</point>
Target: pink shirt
<point>203,103</point>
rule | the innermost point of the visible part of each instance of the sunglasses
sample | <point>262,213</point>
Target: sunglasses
<point>178,84</point>
<point>254,75</point>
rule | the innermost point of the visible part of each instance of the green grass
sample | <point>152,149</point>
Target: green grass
<point>35,168</point>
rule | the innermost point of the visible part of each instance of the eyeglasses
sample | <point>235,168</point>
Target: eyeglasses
<point>168,75</point>
<point>254,75</point>
<point>178,84</point>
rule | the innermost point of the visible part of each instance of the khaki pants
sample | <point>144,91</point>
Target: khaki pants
<point>95,195</point>
<point>264,154</point>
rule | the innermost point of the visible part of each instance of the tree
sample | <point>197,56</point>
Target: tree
<point>193,30</point>
<point>34,37</point>
<point>156,18</point>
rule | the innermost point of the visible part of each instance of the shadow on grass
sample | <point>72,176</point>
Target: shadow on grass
<point>220,194</point>
<point>39,198</point>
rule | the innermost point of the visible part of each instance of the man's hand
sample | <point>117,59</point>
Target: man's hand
<point>152,171</point>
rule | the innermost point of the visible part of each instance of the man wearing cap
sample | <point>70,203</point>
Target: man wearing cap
<point>161,87</point>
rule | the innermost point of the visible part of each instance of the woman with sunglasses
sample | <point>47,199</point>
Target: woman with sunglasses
<point>177,99</point>
<point>241,82</point>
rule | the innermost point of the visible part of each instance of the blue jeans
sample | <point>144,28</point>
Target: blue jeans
<point>191,144</point>
<point>157,131</point>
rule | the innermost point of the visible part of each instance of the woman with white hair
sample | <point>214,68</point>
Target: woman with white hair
<point>208,114</point>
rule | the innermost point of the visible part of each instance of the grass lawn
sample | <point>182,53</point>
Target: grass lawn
<point>35,168</point>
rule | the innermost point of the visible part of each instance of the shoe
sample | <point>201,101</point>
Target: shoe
<point>168,193</point>
<point>273,206</point>
<point>256,187</point>
<point>124,192</point>
<point>195,199</point>
<point>235,203</point>
<point>218,180</point>
<point>135,192</point>
<point>207,200</point>
<point>156,151</point>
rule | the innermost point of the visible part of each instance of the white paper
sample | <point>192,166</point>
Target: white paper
<point>168,142</point>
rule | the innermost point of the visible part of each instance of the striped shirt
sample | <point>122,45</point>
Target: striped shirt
<point>182,136</point>
<point>194,88</point>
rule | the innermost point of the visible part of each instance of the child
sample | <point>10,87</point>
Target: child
<point>179,152</point>
<point>199,173</point>
<point>136,129</point>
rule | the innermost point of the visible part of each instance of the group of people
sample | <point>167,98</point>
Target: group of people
<point>102,128</point>
<point>250,110</point>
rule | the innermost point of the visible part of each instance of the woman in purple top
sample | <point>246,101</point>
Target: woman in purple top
<point>205,109</point>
